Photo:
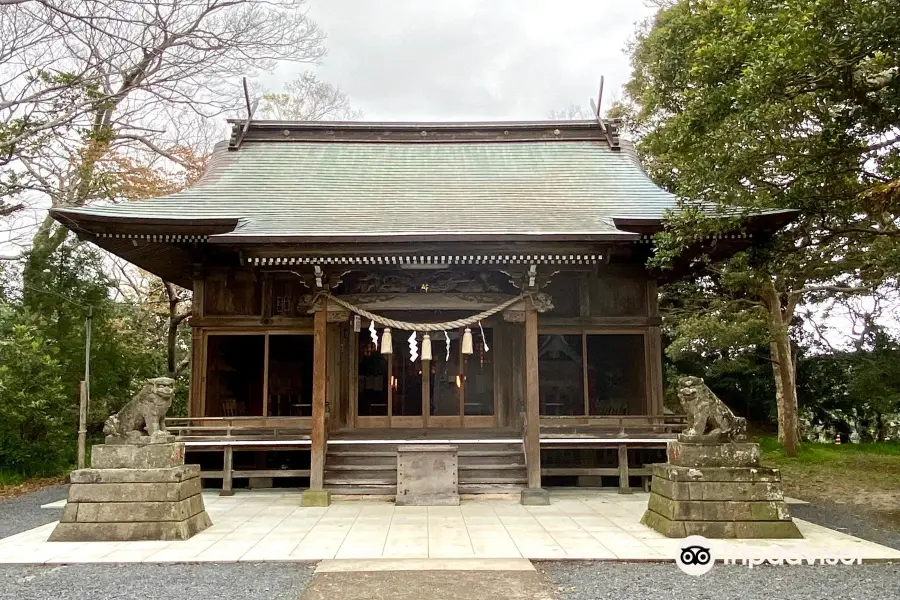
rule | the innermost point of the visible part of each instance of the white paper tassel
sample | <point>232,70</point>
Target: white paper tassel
<point>373,333</point>
<point>483,339</point>
<point>426,347</point>
<point>447,338</point>
<point>413,347</point>
<point>467,342</point>
<point>386,342</point>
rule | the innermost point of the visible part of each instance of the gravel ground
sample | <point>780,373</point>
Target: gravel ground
<point>194,581</point>
<point>840,518</point>
<point>635,581</point>
<point>24,512</point>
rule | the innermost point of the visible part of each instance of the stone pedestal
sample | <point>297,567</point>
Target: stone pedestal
<point>132,492</point>
<point>427,475</point>
<point>717,490</point>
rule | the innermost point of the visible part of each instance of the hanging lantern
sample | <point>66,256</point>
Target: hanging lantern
<point>386,342</point>
<point>426,347</point>
<point>467,342</point>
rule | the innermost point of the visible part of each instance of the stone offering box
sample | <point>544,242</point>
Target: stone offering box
<point>717,490</point>
<point>141,491</point>
<point>427,475</point>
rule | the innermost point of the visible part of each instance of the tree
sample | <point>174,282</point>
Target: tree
<point>308,98</point>
<point>87,81</point>
<point>767,105</point>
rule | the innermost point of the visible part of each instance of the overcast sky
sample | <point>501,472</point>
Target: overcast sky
<point>474,59</point>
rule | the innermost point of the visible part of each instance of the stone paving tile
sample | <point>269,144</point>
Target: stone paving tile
<point>271,526</point>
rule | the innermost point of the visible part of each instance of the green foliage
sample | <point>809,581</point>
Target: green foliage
<point>774,104</point>
<point>42,323</point>
<point>749,106</point>
<point>813,454</point>
<point>35,427</point>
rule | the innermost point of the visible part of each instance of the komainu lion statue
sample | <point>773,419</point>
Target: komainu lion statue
<point>708,417</point>
<point>144,415</point>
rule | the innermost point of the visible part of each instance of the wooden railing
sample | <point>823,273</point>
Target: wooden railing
<point>620,425</point>
<point>196,428</point>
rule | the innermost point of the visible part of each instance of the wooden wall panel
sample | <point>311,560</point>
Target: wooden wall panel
<point>618,296</point>
<point>233,292</point>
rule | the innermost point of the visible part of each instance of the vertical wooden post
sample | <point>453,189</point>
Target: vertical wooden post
<point>82,424</point>
<point>316,494</point>
<point>227,466</point>
<point>426,389</point>
<point>265,385</point>
<point>534,494</point>
<point>198,366</point>
<point>623,470</point>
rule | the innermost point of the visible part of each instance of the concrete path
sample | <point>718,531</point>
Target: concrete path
<point>271,526</point>
<point>414,579</point>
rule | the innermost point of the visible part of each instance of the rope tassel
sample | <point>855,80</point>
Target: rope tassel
<point>386,342</point>
<point>426,347</point>
<point>467,342</point>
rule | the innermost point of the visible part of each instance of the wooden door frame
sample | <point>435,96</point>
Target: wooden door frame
<point>265,332</point>
<point>425,420</point>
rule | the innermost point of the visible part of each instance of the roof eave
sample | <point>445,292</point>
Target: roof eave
<point>94,223</point>
<point>236,239</point>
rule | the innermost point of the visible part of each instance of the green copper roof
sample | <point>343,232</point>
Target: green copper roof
<point>331,190</point>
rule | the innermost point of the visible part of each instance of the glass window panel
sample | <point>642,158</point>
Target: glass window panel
<point>290,375</point>
<point>372,387</point>
<point>234,375</point>
<point>479,375</point>
<point>406,379</point>
<point>616,374</point>
<point>560,373</point>
<point>446,376</point>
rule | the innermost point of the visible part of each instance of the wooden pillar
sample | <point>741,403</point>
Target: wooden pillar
<point>316,494</point>
<point>227,467</point>
<point>534,494</point>
<point>624,487</point>
<point>198,365</point>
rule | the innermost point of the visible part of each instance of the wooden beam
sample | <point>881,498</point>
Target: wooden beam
<point>548,322</point>
<point>195,402</point>
<point>426,389</point>
<point>532,399</point>
<point>623,470</point>
<point>655,381</point>
<point>227,469</point>
<point>353,378</point>
<point>265,398</point>
<point>320,357</point>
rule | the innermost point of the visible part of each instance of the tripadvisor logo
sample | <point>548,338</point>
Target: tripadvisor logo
<point>696,557</point>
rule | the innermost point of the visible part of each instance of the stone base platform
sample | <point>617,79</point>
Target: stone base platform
<point>111,502</point>
<point>427,475</point>
<point>717,491</point>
